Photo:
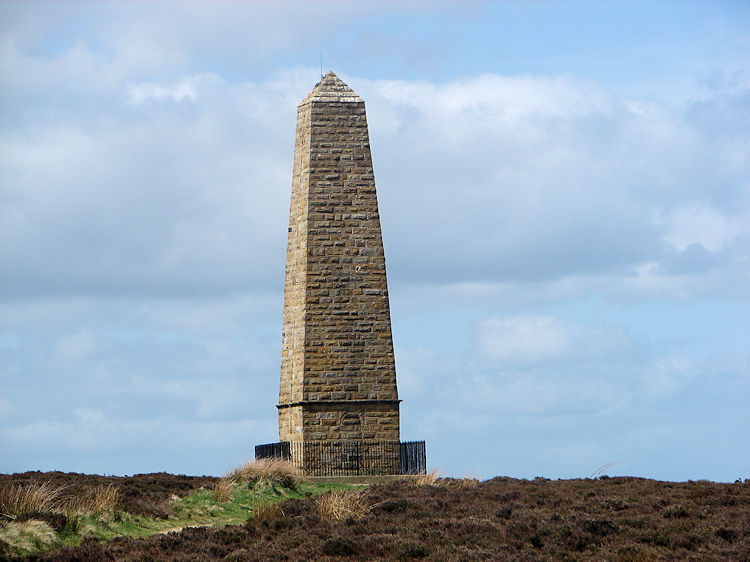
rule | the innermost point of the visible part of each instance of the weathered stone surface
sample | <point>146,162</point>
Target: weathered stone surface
<point>338,376</point>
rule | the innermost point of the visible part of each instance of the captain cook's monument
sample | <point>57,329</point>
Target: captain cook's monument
<point>338,402</point>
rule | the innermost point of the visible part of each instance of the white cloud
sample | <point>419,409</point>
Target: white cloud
<point>527,365</point>
<point>546,388</point>
<point>530,339</point>
<point>179,91</point>
<point>145,191</point>
<point>668,373</point>
<point>548,179</point>
<point>74,347</point>
<point>708,227</point>
<point>527,340</point>
<point>489,179</point>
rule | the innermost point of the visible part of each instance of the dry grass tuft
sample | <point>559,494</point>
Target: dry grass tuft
<point>101,500</point>
<point>223,490</point>
<point>341,506</point>
<point>602,469</point>
<point>264,511</point>
<point>469,481</point>
<point>428,479</point>
<point>274,471</point>
<point>18,500</point>
<point>28,537</point>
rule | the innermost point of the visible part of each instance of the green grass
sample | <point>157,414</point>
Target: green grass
<point>256,487</point>
<point>197,509</point>
<point>28,537</point>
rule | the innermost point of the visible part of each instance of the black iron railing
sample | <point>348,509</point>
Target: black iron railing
<point>350,458</point>
<point>413,457</point>
<point>273,451</point>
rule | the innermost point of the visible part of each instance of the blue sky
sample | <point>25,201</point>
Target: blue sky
<point>565,206</point>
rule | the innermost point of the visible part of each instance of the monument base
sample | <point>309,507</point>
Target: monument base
<point>349,458</point>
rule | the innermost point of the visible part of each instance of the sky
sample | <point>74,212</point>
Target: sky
<point>564,191</point>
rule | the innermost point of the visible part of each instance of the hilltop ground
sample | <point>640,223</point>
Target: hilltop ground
<point>445,519</point>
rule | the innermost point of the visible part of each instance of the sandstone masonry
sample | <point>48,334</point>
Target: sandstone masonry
<point>338,376</point>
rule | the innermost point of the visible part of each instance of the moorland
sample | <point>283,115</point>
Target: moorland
<point>261,512</point>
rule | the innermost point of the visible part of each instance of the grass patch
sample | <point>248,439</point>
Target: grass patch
<point>223,490</point>
<point>266,471</point>
<point>18,500</point>
<point>265,512</point>
<point>201,508</point>
<point>344,505</point>
<point>28,537</point>
<point>100,500</point>
<point>58,519</point>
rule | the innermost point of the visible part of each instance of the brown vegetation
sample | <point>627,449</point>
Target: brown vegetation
<point>99,500</point>
<point>260,472</point>
<point>17,500</point>
<point>428,479</point>
<point>347,504</point>
<point>503,518</point>
<point>270,470</point>
<point>141,494</point>
<point>223,489</point>
<point>265,512</point>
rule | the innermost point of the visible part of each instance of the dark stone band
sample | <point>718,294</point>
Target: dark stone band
<point>335,402</point>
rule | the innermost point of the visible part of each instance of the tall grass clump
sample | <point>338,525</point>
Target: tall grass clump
<point>223,490</point>
<point>45,501</point>
<point>28,537</point>
<point>428,479</point>
<point>99,501</point>
<point>102,500</point>
<point>18,500</point>
<point>344,505</point>
<point>469,481</point>
<point>265,512</point>
<point>266,471</point>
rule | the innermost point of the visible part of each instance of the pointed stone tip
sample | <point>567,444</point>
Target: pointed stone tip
<point>331,88</point>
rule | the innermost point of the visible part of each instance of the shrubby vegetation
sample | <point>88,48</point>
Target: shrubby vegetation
<point>258,513</point>
<point>39,515</point>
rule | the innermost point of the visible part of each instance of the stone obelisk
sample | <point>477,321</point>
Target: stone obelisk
<point>338,376</point>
